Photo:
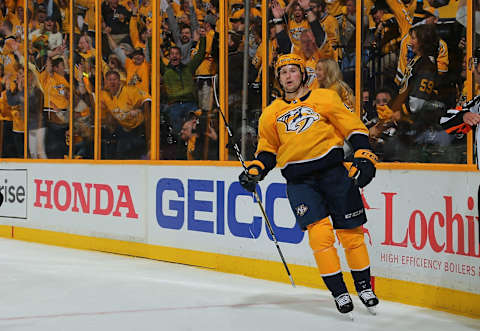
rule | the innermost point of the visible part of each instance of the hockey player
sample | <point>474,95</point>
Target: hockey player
<point>303,133</point>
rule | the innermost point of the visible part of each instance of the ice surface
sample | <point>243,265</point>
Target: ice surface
<point>53,288</point>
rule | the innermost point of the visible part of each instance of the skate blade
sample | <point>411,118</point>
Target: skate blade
<point>372,310</point>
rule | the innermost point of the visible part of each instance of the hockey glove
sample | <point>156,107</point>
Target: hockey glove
<point>363,169</point>
<point>253,174</point>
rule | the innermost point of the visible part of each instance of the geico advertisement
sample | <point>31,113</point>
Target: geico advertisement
<point>13,193</point>
<point>423,226</point>
<point>205,208</point>
<point>106,201</point>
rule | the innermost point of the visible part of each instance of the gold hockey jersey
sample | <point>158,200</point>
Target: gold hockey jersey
<point>295,30</point>
<point>307,134</point>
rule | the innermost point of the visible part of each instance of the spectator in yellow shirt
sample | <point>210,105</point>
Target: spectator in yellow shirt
<point>56,90</point>
<point>128,109</point>
<point>297,24</point>
<point>138,70</point>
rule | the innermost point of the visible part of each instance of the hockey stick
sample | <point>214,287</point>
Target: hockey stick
<point>267,221</point>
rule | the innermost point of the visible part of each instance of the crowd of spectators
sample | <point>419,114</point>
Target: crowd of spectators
<point>410,59</point>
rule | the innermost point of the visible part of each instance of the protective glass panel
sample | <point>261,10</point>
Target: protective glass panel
<point>412,56</point>
<point>48,80</point>
<point>84,63</point>
<point>189,69</point>
<point>327,49</point>
<point>13,81</point>
<point>475,62</point>
<point>125,97</point>
<point>244,76</point>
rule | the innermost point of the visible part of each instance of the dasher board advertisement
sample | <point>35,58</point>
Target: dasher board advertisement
<point>422,226</point>
<point>13,193</point>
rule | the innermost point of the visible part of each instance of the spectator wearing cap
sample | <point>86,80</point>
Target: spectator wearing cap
<point>180,85</point>
<point>127,108</point>
<point>116,17</point>
<point>183,36</point>
<point>138,70</point>
<point>56,101</point>
<point>208,68</point>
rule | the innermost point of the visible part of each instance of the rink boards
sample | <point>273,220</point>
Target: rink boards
<point>423,229</point>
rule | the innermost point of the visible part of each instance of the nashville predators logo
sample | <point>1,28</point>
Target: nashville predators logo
<point>299,119</point>
<point>301,210</point>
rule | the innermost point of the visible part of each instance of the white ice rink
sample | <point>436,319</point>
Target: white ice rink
<point>52,288</point>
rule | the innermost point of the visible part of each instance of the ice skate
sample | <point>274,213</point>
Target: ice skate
<point>370,300</point>
<point>345,305</point>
